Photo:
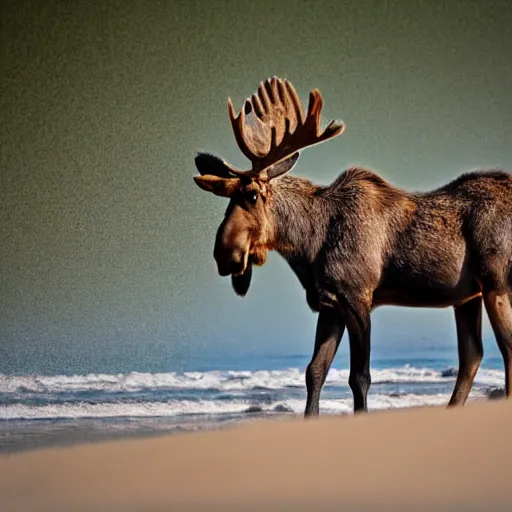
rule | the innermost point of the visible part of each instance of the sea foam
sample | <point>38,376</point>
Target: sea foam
<point>222,380</point>
<point>218,394</point>
<point>173,408</point>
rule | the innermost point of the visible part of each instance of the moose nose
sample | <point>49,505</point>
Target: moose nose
<point>231,262</point>
<point>231,245</point>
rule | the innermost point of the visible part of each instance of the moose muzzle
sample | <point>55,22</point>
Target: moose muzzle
<point>231,250</point>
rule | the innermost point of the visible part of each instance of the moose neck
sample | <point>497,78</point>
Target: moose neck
<point>299,218</point>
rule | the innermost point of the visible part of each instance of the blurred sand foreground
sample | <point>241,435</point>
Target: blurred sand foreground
<point>416,459</point>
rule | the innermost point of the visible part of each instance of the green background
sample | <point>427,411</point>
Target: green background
<point>105,241</point>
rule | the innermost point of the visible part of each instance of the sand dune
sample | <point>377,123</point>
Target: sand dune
<point>423,459</point>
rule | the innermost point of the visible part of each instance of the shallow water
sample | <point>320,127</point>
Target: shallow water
<point>45,410</point>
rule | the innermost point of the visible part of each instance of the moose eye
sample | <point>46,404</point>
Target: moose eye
<point>252,197</point>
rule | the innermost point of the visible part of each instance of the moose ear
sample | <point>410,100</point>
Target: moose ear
<point>211,164</point>
<point>282,167</point>
<point>224,187</point>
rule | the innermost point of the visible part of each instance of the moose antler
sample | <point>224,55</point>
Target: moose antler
<point>279,128</point>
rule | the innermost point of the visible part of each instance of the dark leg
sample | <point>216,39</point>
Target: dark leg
<point>359,326</point>
<point>500,315</point>
<point>329,330</point>
<point>468,318</point>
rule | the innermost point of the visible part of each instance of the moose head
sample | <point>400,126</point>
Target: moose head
<point>270,130</point>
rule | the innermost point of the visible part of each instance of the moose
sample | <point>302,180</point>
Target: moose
<point>361,242</point>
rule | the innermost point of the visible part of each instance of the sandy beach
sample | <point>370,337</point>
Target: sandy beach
<point>415,459</point>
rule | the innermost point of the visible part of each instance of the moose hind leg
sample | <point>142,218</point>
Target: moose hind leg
<point>358,324</point>
<point>499,309</point>
<point>329,331</point>
<point>468,318</point>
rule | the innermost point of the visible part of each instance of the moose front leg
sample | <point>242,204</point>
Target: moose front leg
<point>329,331</point>
<point>359,326</point>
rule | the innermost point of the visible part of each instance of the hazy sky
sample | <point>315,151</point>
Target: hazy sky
<point>106,242</point>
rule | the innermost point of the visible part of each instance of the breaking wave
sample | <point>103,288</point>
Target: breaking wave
<point>223,381</point>
<point>175,408</point>
<point>217,395</point>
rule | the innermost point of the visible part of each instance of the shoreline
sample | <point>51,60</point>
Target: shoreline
<point>418,457</point>
<point>31,435</point>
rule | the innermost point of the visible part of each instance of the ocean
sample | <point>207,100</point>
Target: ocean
<point>57,409</point>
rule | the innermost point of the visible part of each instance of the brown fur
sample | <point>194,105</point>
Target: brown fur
<point>361,242</point>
